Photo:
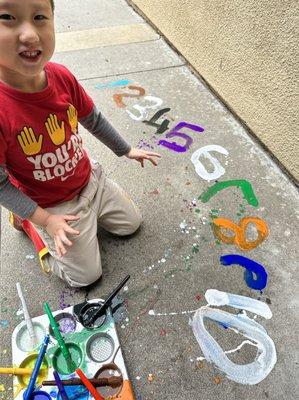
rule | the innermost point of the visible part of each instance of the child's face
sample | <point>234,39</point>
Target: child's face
<point>27,39</point>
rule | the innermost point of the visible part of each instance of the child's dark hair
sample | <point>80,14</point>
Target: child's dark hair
<point>52,4</point>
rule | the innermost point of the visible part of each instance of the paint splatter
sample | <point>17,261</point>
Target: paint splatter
<point>183,225</point>
<point>4,323</point>
<point>67,292</point>
<point>154,313</point>
<point>155,191</point>
<point>148,143</point>
<point>190,205</point>
<point>187,262</point>
<point>195,248</point>
<point>214,214</point>
<point>241,210</point>
<point>151,377</point>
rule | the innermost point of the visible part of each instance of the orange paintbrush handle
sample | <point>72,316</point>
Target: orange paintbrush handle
<point>88,385</point>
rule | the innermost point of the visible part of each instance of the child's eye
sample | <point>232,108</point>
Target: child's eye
<point>6,17</point>
<point>40,17</point>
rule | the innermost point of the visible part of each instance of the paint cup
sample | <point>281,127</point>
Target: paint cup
<point>92,309</point>
<point>107,371</point>
<point>23,339</point>
<point>100,347</point>
<point>66,323</point>
<point>29,362</point>
<point>61,365</point>
<point>40,395</point>
<point>76,393</point>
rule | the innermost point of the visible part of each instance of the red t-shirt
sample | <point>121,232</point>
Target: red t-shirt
<point>39,141</point>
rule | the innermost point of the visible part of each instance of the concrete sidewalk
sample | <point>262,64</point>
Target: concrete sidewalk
<point>131,73</point>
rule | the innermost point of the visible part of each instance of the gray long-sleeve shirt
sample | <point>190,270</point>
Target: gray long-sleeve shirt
<point>19,203</point>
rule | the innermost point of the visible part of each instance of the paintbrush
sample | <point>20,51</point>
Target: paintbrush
<point>42,351</point>
<point>89,386</point>
<point>64,350</point>
<point>60,386</point>
<point>113,381</point>
<point>88,320</point>
<point>17,371</point>
<point>33,337</point>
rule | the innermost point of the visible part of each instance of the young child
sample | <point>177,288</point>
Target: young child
<point>46,176</point>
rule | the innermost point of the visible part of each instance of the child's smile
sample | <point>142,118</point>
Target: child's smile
<point>31,56</point>
<point>26,42</point>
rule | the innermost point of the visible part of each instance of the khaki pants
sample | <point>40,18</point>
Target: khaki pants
<point>101,203</point>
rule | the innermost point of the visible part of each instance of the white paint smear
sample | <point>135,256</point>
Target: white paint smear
<point>153,312</point>
<point>233,350</point>
<point>217,298</point>
<point>251,373</point>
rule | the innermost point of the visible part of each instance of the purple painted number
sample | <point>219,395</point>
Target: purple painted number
<point>175,132</point>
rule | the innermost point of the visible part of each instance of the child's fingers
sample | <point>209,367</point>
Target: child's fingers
<point>59,246</point>
<point>71,230</point>
<point>151,153</point>
<point>151,159</point>
<point>65,240</point>
<point>68,228</point>
<point>71,217</point>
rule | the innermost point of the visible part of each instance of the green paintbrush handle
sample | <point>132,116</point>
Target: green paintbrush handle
<point>56,331</point>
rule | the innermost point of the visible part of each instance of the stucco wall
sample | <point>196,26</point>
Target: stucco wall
<point>246,50</point>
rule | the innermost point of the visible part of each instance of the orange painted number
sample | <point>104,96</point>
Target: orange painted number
<point>118,97</point>
<point>239,237</point>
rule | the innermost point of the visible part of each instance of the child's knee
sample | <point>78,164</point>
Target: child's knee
<point>85,279</point>
<point>78,275</point>
<point>133,225</point>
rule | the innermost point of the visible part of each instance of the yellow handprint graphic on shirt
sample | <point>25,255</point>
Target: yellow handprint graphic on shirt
<point>72,115</point>
<point>55,131</point>
<point>28,141</point>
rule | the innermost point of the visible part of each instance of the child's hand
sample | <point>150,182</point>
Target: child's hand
<point>57,226</point>
<point>141,155</point>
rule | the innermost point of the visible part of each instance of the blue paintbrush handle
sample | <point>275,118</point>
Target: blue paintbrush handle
<point>42,351</point>
<point>60,386</point>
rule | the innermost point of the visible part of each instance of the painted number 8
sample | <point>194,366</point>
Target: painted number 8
<point>239,237</point>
